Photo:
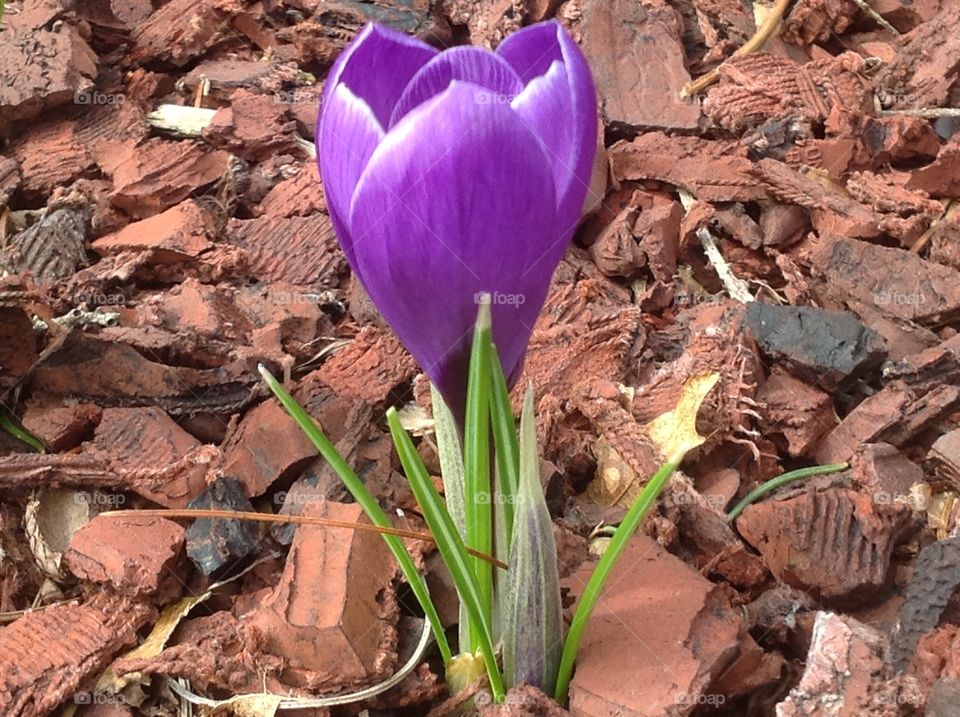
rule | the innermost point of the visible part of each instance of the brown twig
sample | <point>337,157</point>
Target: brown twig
<point>295,519</point>
<point>754,44</point>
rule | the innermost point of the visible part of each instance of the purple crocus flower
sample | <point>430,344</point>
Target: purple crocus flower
<point>452,173</point>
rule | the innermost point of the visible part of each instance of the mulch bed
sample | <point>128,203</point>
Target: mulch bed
<point>794,227</point>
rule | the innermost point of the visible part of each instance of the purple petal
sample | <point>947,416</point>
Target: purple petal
<point>469,64</point>
<point>348,136</point>
<point>376,66</point>
<point>458,198</point>
<point>532,52</point>
<point>542,101</point>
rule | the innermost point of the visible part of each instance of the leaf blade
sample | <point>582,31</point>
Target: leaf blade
<point>449,543</point>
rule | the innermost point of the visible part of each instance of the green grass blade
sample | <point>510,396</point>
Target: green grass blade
<point>476,454</point>
<point>450,545</point>
<point>370,506</point>
<point>21,434</point>
<point>505,440</point>
<point>588,601</point>
<point>781,480</point>
<point>533,624</point>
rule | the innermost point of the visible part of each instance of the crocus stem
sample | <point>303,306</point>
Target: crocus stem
<point>479,497</point>
<point>781,480</point>
<point>370,506</point>
<point>591,594</point>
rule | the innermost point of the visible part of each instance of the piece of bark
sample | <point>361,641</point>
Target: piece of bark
<point>760,87</point>
<point>266,446</point>
<point>159,173</point>
<point>52,249</point>
<point>636,54</point>
<point>711,170</point>
<point>148,441</point>
<point>113,370</point>
<point>895,281</point>
<point>659,611</point>
<point>797,410</point>
<point>300,195</point>
<point>940,178</point>
<point>224,76</point>
<point>215,652</point>
<point>48,656</point>
<point>370,368</point>
<point>832,211</point>
<point>894,415</point>
<point>323,617</point>
<point>60,426</point>
<point>925,67</point>
<point>299,250</point>
<point>587,330</point>
<point>46,62</point>
<point>179,32</point>
<point>254,126</point>
<point>835,542</point>
<point>935,579</point>
<point>51,155</point>
<point>944,458</point>
<point>136,556</point>
<point>845,672</point>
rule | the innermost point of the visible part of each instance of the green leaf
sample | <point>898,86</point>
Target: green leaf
<point>370,506</point>
<point>588,601</point>
<point>781,480</point>
<point>450,545</point>
<point>21,434</point>
<point>505,440</point>
<point>533,627</point>
<point>451,466</point>
<point>476,453</point>
<point>676,434</point>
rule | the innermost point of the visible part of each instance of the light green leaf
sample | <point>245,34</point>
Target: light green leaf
<point>533,628</point>
<point>451,466</point>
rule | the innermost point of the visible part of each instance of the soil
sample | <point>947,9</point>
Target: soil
<point>794,226</point>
